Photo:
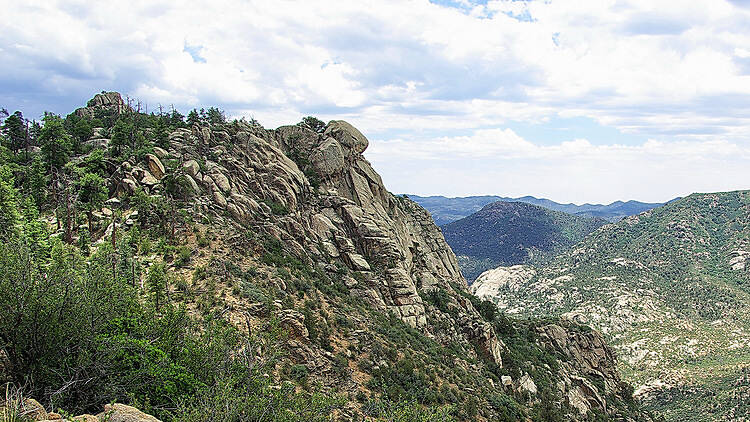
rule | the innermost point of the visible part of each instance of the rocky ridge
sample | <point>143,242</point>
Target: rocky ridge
<point>311,192</point>
<point>350,217</point>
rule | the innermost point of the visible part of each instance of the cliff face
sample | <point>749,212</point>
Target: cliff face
<point>348,217</point>
<point>311,190</point>
<point>589,367</point>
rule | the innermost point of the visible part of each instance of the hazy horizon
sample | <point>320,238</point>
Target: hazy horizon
<point>563,202</point>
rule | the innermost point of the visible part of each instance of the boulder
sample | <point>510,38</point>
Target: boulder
<point>526,384</point>
<point>110,100</point>
<point>192,184</point>
<point>155,166</point>
<point>506,381</point>
<point>221,181</point>
<point>85,418</point>
<point>126,187</point>
<point>34,410</point>
<point>348,136</point>
<point>191,167</point>
<point>160,152</point>
<point>122,413</point>
<point>148,179</point>
<point>357,262</point>
<point>219,199</point>
<point>328,158</point>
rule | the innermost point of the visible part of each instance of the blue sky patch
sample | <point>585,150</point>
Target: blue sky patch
<point>195,52</point>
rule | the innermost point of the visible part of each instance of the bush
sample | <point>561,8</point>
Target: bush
<point>276,208</point>
<point>406,411</point>
<point>183,256</point>
<point>78,337</point>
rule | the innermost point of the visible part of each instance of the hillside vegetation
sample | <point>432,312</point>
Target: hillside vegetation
<point>211,270</point>
<point>670,288</point>
<point>511,233</point>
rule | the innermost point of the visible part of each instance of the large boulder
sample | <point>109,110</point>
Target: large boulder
<point>328,158</point>
<point>191,167</point>
<point>347,135</point>
<point>33,410</point>
<point>111,100</point>
<point>122,413</point>
<point>155,166</point>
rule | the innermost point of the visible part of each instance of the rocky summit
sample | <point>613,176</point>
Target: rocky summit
<point>249,271</point>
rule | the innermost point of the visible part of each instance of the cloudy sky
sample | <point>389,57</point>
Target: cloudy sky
<point>575,101</point>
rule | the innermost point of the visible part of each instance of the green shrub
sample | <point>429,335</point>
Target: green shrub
<point>81,333</point>
<point>276,208</point>
<point>183,256</point>
<point>406,411</point>
<point>506,409</point>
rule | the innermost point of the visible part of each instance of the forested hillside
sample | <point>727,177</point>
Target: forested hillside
<point>511,233</point>
<point>203,269</point>
<point>670,289</point>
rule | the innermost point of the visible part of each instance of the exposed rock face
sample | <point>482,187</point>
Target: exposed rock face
<point>122,413</point>
<point>491,282</point>
<point>349,217</point>
<point>587,357</point>
<point>109,102</point>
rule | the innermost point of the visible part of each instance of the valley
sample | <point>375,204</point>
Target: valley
<point>669,289</point>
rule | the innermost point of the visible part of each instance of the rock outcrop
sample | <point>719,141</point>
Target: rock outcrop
<point>106,102</point>
<point>361,282</point>
<point>589,368</point>
<point>31,410</point>
<point>349,216</point>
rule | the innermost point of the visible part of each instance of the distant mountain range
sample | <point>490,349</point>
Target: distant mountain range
<point>446,210</point>
<point>510,233</point>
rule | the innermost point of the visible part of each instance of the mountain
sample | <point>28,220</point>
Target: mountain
<point>218,270</point>
<point>445,210</point>
<point>670,288</point>
<point>510,233</point>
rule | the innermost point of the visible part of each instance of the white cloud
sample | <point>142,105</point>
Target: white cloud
<point>501,162</point>
<point>671,70</point>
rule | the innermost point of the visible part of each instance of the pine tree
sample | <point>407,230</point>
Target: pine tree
<point>193,118</point>
<point>56,143</point>
<point>9,204</point>
<point>15,131</point>
<point>92,193</point>
<point>157,283</point>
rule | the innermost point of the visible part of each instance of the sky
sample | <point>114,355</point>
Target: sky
<point>591,101</point>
